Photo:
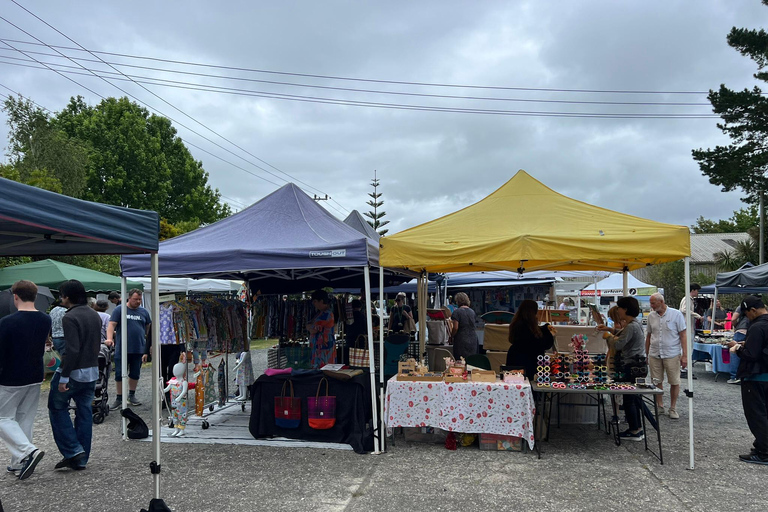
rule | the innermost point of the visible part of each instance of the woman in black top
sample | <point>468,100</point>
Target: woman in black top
<point>528,339</point>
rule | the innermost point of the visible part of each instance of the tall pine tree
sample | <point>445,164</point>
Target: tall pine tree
<point>376,202</point>
<point>744,163</point>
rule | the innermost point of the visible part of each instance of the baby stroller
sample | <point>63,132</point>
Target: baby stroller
<point>100,405</point>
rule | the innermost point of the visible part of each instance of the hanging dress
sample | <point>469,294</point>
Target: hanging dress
<point>322,342</point>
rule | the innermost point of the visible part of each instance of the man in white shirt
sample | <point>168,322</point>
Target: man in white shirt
<point>684,303</point>
<point>665,344</point>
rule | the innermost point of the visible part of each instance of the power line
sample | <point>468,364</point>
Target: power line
<point>394,106</point>
<point>140,101</point>
<point>374,91</point>
<point>161,99</point>
<point>372,80</point>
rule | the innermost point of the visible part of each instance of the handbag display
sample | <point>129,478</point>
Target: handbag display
<point>321,410</point>
<point>358,357</point>
<point>287,408</point>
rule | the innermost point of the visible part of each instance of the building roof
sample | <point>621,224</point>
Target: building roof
<point>705,245</point>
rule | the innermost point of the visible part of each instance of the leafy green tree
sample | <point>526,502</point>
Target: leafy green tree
<point>42,155</point>
<point>671,277</point>
<point>741,221</point>
<point>139,161</point>
<point>376,202</point>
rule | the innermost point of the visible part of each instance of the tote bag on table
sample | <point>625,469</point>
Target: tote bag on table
<point>287,408</point>
<point>321,410</point>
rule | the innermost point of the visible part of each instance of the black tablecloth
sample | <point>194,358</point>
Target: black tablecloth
<point>353,409</point>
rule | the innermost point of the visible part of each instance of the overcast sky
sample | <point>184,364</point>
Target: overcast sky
<point>429,163</point>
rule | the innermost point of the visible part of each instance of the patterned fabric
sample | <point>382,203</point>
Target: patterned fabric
<point>179,409</point>
<point>56,314</point>
<point>322,342</point>
<point>471,407</point>
<point>167,334</point>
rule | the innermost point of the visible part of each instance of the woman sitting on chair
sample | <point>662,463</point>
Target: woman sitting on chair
<point>463,328</point>
<point>528,339</point>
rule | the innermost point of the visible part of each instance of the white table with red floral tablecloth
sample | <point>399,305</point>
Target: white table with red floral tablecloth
<point>472,407</point>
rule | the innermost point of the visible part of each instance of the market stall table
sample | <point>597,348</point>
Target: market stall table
<point>722,360</point>
<point>353,409</point>
<point>471,407</point>
<point>546,394</point>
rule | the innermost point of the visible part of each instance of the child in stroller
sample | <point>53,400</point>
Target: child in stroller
<point>100,405</point>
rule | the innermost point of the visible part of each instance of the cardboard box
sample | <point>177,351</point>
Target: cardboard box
<point>424,435</point>
<point>496,337</point>
<point>496,442</point>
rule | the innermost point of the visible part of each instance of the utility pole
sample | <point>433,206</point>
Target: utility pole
<point>762,227</point>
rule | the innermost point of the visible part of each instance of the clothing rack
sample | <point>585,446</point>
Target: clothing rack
<point>217,320</point>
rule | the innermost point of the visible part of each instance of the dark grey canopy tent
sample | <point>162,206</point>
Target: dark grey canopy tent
<point>748,279</point>
<point>284,243</point>
<point>36,222</point>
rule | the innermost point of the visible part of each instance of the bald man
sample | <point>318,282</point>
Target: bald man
<point>665,344</point>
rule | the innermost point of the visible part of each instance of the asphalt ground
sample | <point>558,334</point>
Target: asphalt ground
<point>581,469</point>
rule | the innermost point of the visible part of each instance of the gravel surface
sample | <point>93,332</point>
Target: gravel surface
<point>581,469</point>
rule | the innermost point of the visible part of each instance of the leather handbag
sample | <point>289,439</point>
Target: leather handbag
<point>287,408</point>
<point>321,410</point>
<point>358,357</point>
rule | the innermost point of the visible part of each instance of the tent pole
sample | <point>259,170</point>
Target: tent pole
<point>372,367</point>
<point>124,349</point>
<point>689,357</point>
<point>714,310</point>
<point>625,275</point>
<point>423,296</point>
<point>155,375</point>
<point>383,437</point>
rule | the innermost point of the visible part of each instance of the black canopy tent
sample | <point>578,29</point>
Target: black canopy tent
<point>749,279</point>
<point>36,222</point>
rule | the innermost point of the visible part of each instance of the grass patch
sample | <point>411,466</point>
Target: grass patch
<point>261,343</point>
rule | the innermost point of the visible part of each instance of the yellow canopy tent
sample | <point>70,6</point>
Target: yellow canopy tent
<point>526,225</point>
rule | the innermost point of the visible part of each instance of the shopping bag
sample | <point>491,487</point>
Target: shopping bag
<point>51,360</point>
<point>358,357</point>
<point>287,408</point>
<point>321,410</point>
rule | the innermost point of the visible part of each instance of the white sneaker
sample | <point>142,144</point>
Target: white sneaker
<point>662,410</point>
<point>673,414</point>
<point>734,381</point>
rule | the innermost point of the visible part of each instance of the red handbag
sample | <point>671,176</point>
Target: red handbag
<point>321,410</point>
<point>287,409</point>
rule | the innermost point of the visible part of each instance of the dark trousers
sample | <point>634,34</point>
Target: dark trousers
<point>632,409</point>
<point>753,399</point>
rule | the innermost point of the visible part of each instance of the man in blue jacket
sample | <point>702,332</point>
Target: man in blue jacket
<point>753,372</point>
<point>22,343</point>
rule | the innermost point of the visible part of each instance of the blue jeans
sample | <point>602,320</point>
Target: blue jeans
<point>71,439</point>
<point>737,336</point>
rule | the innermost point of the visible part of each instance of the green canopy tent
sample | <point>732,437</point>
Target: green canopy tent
<point>52,273</point>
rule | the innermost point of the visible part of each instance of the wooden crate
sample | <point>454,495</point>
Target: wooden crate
<point>496,442</point>
<point>433,377</point>
<point>483,376</point>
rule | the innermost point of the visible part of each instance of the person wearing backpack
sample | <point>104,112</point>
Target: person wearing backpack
<point>753,372</point>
